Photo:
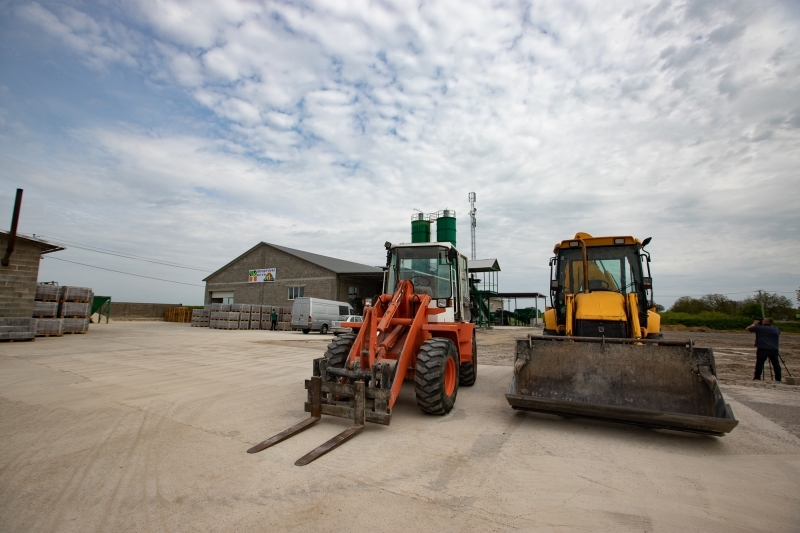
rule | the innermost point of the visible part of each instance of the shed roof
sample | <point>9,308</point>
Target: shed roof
<point>339,266</point>
<point>484,265</point>
<point>47,247</point>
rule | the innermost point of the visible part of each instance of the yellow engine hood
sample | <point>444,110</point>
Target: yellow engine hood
<point>600,305</point>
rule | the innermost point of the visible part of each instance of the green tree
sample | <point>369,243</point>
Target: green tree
<point>720,303</point>
<point>687,304</point>
<point>775,305</point>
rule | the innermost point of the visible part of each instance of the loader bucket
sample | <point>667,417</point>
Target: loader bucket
<point>658,384</point>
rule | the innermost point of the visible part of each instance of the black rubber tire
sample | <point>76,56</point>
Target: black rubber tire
<point>305,331</point>
<point>324,329</point>
<point>429,376</point>
<point>468,372</point>
<point>339,348</point>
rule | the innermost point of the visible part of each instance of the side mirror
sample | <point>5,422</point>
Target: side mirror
<point>452,255</point>
<point>553,284</point>
<point>646,241</point>
<point>647,283</point>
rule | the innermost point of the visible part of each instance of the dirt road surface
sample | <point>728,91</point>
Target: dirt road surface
<point>144,426</point>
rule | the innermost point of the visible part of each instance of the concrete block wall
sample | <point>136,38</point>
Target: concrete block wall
<point>138,311</point>
<point>18,279</point>
<point>292,271</point>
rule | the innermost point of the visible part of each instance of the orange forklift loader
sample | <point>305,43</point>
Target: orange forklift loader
<point>419,331</point>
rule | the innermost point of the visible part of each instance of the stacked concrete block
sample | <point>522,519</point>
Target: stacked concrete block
<point>75,309</point>
<point>49,327</point>
<point>75,306</point>
<point>17,329</point>
<point>45,309</point>
<point>76,325</point>
<point>227,320</point>
<point>201,318</point>
<point>47,293</point>
<point>76,294</point>
<point>255,317</point>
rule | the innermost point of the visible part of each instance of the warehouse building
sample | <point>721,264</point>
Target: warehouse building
<point>269,274</point>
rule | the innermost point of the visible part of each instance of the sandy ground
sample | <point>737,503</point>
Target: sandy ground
<point>143,426</point>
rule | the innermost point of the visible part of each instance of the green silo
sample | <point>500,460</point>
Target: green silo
<point>446,227</point>
<point>420,228</point>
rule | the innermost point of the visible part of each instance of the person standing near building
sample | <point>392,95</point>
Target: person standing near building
<point>767,339</point>
<point>273,317</point>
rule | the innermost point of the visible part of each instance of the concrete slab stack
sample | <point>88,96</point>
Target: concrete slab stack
<point>229,320</point>
<point>244,315</point>
<point>17,329</point>
<point>46,311</point>
<point>255,317</point>
<point>49,327</point>
<point>74,308</point>
<point>201,318</point>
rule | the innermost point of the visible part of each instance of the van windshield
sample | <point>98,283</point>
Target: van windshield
<point>427,267</point>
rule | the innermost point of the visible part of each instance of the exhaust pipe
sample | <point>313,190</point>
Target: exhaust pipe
<point>12,236</point>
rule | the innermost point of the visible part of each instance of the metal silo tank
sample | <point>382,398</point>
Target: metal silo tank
<point>420,228</point>
<point>446,226</point>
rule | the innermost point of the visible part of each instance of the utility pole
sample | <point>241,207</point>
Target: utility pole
<point>472,213</point>
<point>761,300</point>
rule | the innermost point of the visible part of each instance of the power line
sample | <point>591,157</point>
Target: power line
<point>120,272</point>
<point>99,250</point>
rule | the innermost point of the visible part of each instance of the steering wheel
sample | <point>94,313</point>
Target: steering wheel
<point>423,282</point>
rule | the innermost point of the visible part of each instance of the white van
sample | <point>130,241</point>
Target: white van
<point>314,314</point>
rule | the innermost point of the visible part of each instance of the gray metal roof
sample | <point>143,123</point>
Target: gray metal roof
<point>484,265</point>
<point>47,247</point>
<point>340,266</point>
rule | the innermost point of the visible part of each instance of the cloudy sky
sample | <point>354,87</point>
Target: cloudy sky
<point>188,132</point>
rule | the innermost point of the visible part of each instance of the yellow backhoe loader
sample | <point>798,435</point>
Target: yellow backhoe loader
<point>602,354</point>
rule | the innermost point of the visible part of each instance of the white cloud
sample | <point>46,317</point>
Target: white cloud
<point>677,120</point>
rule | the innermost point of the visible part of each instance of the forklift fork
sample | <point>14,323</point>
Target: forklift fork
<point>315,393</point>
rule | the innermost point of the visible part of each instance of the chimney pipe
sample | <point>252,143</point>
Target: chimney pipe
<point>12,236</point>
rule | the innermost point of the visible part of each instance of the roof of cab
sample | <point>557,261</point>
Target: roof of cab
<point>598,241</point>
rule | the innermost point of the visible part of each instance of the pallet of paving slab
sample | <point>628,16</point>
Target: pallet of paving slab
<point>75,332</point>
<point>76,294</point>
<point>45,309</point>
<point>46,335</point>
<point>47,293</point>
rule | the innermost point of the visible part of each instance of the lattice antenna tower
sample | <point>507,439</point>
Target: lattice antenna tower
<point>472,213</point>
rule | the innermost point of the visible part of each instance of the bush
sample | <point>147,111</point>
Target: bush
<point>716,320</point>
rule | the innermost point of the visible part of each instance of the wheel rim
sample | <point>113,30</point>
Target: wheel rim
<point>450,376</point>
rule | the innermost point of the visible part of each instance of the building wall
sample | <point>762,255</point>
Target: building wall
<point>317,282</point>
<point>18,279</point>
<point>138,311</point>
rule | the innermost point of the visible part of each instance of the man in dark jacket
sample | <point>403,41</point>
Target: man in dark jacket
<point>767,337</point>
<point>273,317</point>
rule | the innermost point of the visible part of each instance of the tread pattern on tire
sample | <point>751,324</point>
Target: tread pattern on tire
<point>468,371</point>
<point>428,376</point>
<point>339,349</point>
